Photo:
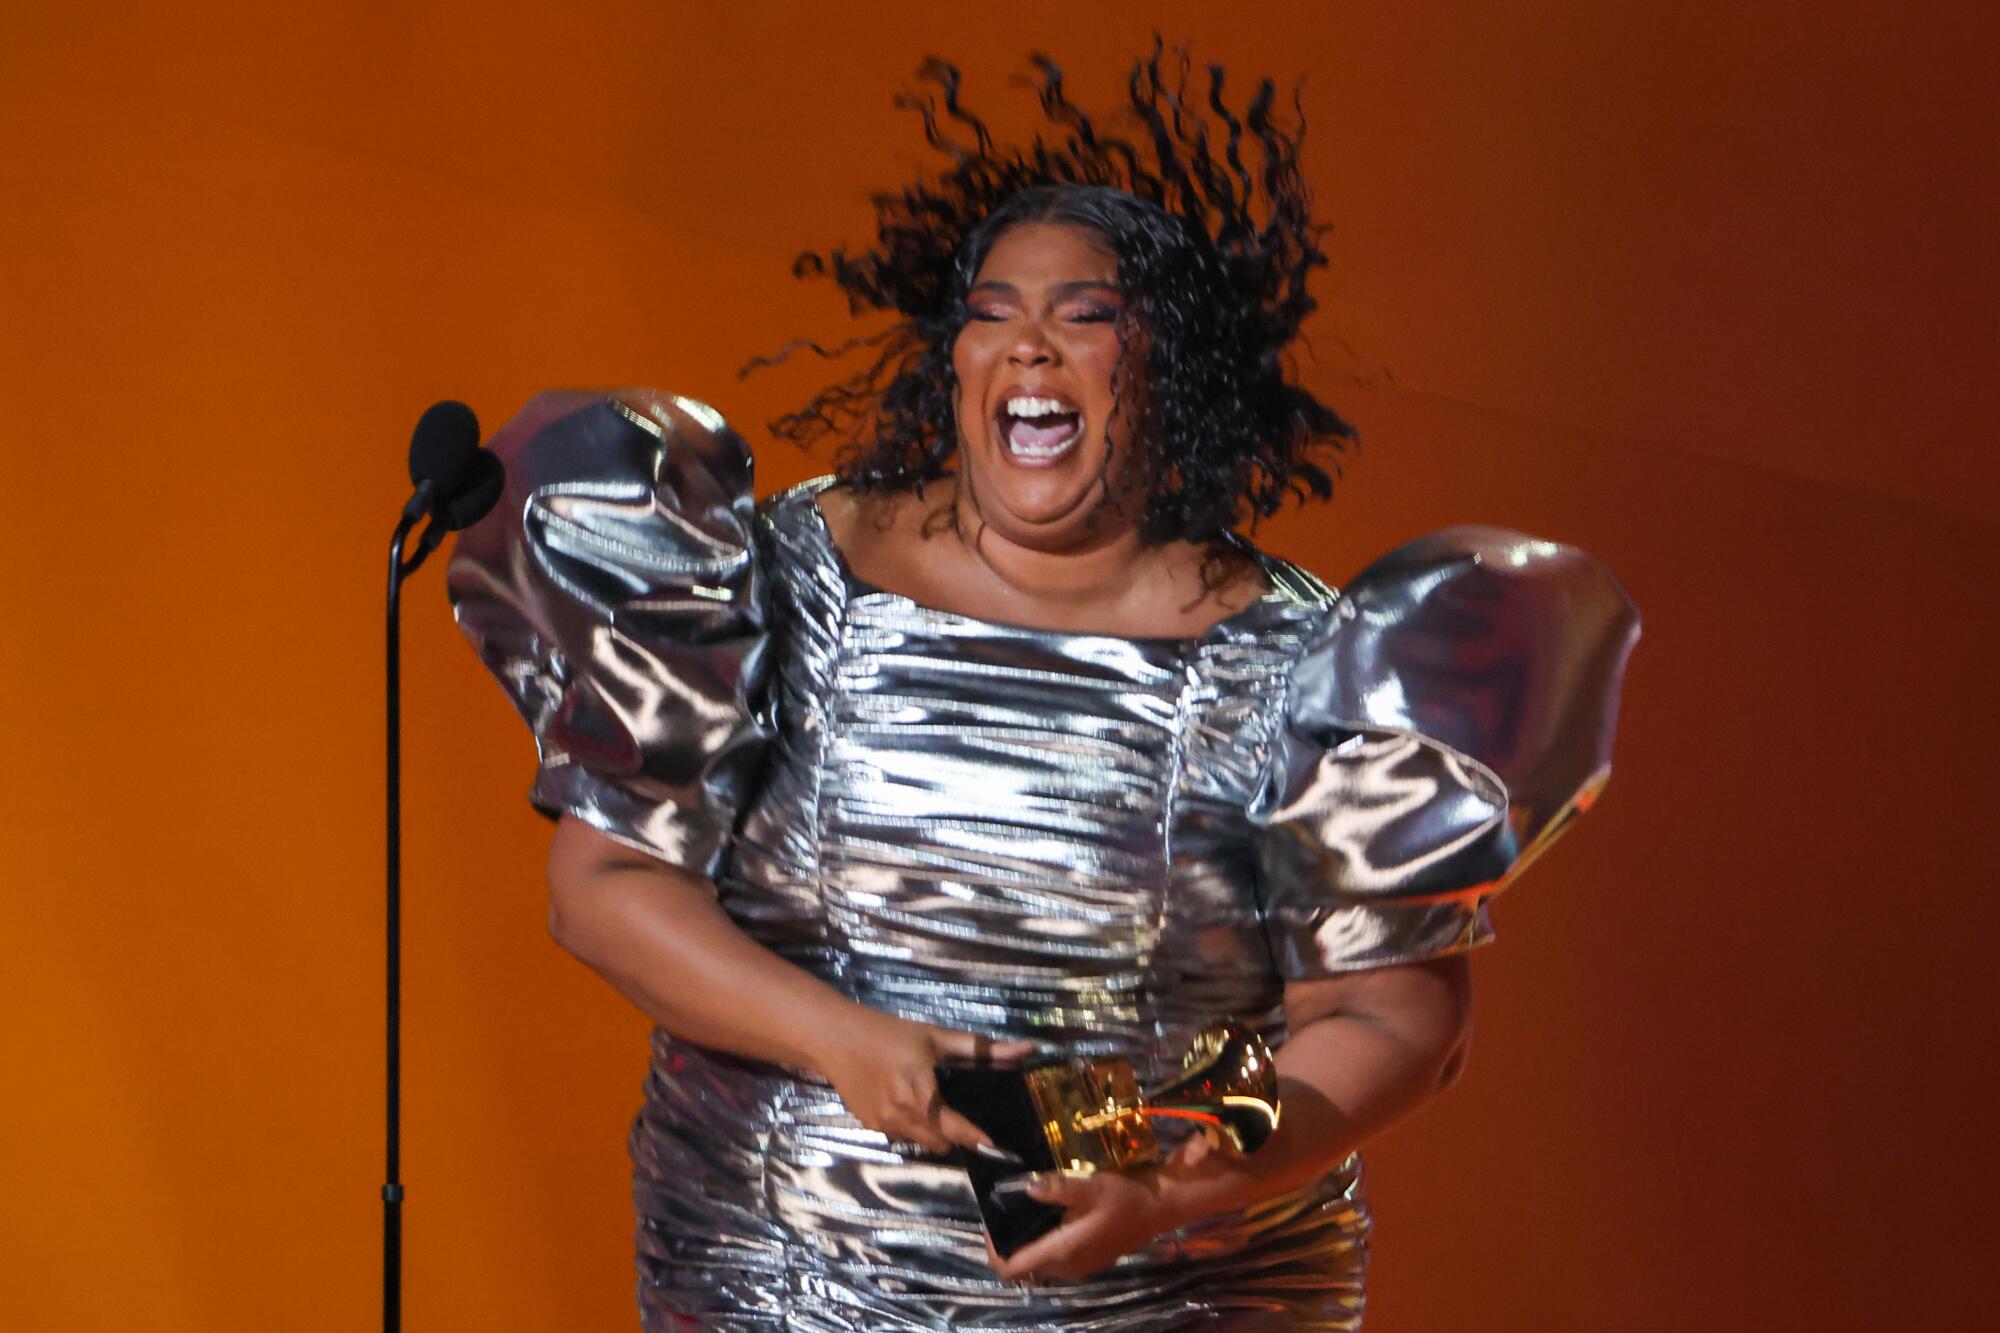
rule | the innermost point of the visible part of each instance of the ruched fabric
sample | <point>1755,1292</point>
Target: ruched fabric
<point>1454,715</point>
<point>613,594</point>
<point>1094,842</point>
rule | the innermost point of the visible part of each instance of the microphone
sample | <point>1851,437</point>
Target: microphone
<point>457,483</point>
<point>444,449</point>
<point>476,494</point>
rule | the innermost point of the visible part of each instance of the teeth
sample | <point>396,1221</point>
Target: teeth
<point>1045,451</point>
<point>1034,407</point>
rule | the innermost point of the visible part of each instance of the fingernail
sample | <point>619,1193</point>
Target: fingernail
<point>999,1154</point>
<point>1014,1186</point>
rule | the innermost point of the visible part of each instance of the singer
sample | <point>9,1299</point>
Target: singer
<point>1003,740</point>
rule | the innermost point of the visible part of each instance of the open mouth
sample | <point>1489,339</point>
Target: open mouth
<point>1039,429</point>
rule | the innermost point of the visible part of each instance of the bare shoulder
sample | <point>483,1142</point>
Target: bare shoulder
<point>836,504</point>
<point>853,518</point>
<point>1200,585</point>
<point>881,537</point>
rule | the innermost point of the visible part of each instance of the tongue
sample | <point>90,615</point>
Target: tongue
<point>1041,432</point>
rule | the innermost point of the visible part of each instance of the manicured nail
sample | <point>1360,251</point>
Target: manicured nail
<point>999,1154</point>
<point>1016,1186</point>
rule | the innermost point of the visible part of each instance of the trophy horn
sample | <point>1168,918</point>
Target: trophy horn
<point>1094,1113</point>
<point>1228,1084</point>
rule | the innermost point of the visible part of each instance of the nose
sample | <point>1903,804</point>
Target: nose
<point>1031,346</point>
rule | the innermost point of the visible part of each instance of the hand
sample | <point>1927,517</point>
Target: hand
<point>884,1069</point>
<point>1108,1214</point>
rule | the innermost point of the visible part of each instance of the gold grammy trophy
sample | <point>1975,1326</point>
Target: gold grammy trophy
<point>1095,1117</point>
<point>1091,1115</point>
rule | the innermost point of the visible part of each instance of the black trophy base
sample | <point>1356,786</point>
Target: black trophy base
<point>997,1101</point>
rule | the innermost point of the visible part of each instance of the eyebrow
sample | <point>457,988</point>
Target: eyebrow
<point>1060,291</point>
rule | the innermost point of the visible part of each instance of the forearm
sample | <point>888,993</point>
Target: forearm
<point>659,936</point>
<point>1366,1049</point>
<point>1343,1078</point>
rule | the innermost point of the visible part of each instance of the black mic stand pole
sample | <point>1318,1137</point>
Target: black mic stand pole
<point>392,1191</point>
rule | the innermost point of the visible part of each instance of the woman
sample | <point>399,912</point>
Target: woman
<point>1003,742</point>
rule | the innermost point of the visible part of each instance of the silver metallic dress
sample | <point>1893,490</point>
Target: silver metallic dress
<point>1099,843</point>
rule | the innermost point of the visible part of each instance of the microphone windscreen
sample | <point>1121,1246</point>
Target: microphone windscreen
<point>443,446</point>
<point>478,493</point>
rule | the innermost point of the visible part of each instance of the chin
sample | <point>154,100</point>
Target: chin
<point>1042,505</point>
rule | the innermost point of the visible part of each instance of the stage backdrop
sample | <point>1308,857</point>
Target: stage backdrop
<point>1708,289</point>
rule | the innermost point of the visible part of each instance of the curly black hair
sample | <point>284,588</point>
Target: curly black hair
<point>1213,254</point>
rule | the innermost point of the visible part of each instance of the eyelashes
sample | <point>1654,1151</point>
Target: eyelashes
<point>1087,315</point>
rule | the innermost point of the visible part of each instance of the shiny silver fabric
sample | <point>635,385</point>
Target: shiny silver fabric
<point>1451,718</point>
<point>613,594</point>
<point>1097,842</point>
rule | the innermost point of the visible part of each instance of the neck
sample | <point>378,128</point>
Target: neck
<point>1095,568</point>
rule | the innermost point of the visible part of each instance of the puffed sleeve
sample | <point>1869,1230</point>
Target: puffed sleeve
<point>614,593</point>
<point>1449,720</point>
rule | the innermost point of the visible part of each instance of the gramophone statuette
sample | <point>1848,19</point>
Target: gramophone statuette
<point>1095,1117</point>
<point>1091,1115</point>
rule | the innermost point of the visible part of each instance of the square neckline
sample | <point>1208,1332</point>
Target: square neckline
<point>1279,591</point>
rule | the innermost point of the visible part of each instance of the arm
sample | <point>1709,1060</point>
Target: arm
<point>1367,1048</point>
<point>657,934</point>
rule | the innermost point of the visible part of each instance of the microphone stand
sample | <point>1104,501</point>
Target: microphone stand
<point>392,1190</point>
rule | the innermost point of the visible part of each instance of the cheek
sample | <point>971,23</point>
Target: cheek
<point>1099,357</point>
<point>963,374</point>
<point>1133,372</point>
<point>1112,375</point>
<point>971,357</point>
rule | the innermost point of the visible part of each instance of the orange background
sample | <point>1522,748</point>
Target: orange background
<point>1709,289</point>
